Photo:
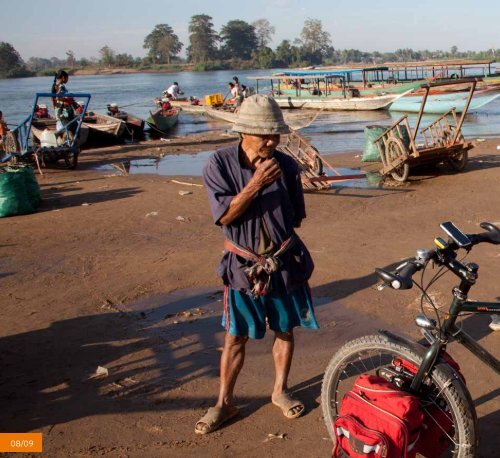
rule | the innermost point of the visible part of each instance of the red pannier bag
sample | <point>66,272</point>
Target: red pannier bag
<point>377,420</point>
<point>437,426</point>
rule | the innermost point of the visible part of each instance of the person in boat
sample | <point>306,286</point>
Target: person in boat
<point>255,195</point>
<point>235,93</point>
<point>64,107</point>
<point>113,109</point>
<point>3,131</point>
<point>165,106</point>
<point>237,85</point>
<point>41,111</point>
<point>174,91</point>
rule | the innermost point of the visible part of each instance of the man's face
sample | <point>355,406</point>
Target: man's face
<point>262,146</point>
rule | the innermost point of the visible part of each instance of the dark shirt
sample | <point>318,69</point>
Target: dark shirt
<point>280,205</point>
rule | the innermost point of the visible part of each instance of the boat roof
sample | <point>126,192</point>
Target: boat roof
<point>281,76</point>
<point>333,72</point>
<point>439,63</point>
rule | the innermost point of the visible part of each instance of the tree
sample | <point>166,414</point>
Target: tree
<point>9,57</point>
<point>163,44</point>
<point>239,39</point>
<point>314,38</point>
<point>70,59</point>
<point>264,31</point>
<point>84,62</point>
<point>11,64</point>
<point>265,57</point>
<point>107,56</point>
<point>124,60</point>
<point>38,63</point>
<point>202,39</point>
<point>284,53</point>
<point>454,50</point>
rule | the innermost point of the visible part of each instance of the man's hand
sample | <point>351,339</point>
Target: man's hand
<point>267,171</point>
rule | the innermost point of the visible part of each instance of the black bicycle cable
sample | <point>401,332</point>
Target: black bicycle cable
<point>426,296</point>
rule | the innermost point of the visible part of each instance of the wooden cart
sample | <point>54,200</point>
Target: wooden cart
<point>317,174</point>
<point>21,147</point>
<point>442,139</point>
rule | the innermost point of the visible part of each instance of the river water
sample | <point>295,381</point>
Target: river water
<point>333,132</point>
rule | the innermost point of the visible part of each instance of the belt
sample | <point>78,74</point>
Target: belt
<point>259,273</point>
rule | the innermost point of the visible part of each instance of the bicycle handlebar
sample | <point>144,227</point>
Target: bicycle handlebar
<point>401,277</point>
<point>492,235</point>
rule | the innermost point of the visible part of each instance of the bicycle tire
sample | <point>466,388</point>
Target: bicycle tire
<point>442,377</point>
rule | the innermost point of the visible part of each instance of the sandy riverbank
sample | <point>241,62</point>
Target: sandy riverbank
<point>102,274</point>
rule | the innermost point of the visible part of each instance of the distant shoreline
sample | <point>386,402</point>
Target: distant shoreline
<point>125,71</point>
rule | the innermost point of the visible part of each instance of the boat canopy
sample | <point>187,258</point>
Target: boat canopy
<point>336,72</point>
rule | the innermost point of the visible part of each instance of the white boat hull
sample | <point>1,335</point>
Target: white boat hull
<point>334,104</point>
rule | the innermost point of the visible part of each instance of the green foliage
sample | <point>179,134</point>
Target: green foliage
<point>265,58</point>
<point>163,44</point>
<point>124,60</point>
<point>202,39</point>
<point>213,65</point>
<point>11,64</point>
<point>239,40</point>
<point>242,46</point>
<point>107,56</point>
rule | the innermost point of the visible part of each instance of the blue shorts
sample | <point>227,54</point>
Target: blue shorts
<point>246,316</point>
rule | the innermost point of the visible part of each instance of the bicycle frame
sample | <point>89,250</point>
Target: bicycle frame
<point>451,330</point>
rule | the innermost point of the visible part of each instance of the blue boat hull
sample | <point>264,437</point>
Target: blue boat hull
<point>442,103</point>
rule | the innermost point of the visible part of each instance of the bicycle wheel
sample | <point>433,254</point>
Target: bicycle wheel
<point>441,388</point>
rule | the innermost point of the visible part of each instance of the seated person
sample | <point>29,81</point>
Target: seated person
<point>113,109</point>
<point>41,111</point>
<point>235,94</point>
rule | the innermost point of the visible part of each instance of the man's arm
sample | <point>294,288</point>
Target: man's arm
<point>266,173</point>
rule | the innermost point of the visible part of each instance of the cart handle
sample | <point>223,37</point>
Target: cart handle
<point>399,121</point>
<point>450,83</point>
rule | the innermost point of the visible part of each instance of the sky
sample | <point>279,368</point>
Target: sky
<point>49,28</point>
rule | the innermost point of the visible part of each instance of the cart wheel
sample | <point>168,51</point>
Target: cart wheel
<point>318,165</point>
<point>71,159</point>
<point>458,161</point>
<point>313,160</point>
<point>396,150</point>
<point>11,143</point>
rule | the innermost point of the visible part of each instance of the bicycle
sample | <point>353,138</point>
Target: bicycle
<point>426,371</point>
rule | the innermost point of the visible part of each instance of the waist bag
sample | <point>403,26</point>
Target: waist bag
<point>377,420</point>
<point>437,425</point>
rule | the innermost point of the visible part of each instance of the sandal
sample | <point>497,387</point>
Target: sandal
<point>288,405</point>
<point>214,418</point>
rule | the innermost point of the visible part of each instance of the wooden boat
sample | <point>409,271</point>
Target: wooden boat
<point>325,100</point>
<point>38,125</point>
<point>442,103</point>
<point>228,113</point>
<point>375,89</point>
<point>134,126</point>
<point>337,103</point>
<point>158,121</point>
<point>103,129</point>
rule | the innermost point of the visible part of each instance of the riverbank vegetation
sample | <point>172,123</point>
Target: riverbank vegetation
<point>238,45</point>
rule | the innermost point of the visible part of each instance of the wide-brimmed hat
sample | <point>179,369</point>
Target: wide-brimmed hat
<point>260,115</point>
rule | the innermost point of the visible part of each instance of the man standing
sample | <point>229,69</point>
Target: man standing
<point>255,194</point>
